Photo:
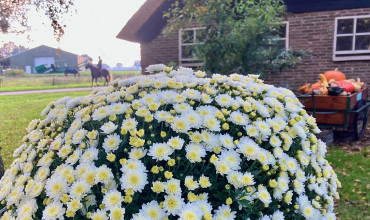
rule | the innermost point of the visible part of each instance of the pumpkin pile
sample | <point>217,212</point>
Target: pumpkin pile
<point>332,82</point>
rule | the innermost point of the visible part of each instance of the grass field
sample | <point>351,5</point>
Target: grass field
<point>54,81</point>
<point>352,167</point>
<point>16,111</point>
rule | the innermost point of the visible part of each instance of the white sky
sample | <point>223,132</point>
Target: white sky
<point>92,30</point>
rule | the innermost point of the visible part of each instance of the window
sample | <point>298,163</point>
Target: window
<point>283,33</point>
<point>352,38</point>
<point>188,38</point>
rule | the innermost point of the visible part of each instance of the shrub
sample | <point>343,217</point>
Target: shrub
<point>14,73</point>
<point>172,145</point>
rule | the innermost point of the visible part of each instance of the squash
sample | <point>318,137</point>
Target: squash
<point>347,86</point>
<point>305,89</point>
<point>324,82</point>
<point>334,74</point>
<point>356,84</point>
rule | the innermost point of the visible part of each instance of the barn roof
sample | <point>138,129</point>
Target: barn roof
<point>148,21</point>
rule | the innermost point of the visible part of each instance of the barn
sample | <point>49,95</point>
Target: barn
<point>335,32</point>
<point>43,55</point>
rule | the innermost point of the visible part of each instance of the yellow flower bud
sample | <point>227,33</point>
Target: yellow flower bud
<point>229,201</point>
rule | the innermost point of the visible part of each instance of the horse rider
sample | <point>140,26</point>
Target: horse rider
<point>100,64</point>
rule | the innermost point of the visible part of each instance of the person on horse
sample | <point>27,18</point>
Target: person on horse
<point>100,65</point>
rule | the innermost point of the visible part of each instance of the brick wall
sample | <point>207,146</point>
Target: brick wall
<point>314,31</point>
<point>163,49</point>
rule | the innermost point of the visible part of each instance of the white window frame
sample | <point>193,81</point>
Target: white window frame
<point>187,62</point>
<point>286,38</point>
<point>351,54</point>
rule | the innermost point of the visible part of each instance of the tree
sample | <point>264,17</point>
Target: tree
<point>11,49</point>
<point>13,14</point>
<point>119,65</point>
<point>239,36</point>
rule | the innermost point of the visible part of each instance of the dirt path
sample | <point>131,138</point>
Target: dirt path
<point>47,90</point>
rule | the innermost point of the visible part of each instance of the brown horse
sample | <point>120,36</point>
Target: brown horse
<point>95,74</point>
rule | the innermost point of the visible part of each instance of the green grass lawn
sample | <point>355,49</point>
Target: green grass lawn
<point>352,168</point>
<point>16,111</point>
<point>54,81</point>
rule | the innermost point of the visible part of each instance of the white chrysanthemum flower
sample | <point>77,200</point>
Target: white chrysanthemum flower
<point>173,187</point>
<point>191,211</point>
<point>99,215</point>
<point>117,213</point>
<point>112,198</point>
<point>263,195</point>
<point>153,211</point>
<point>176,143</point>
<point>226,140</point>
<point>275,141</point>
<point>74,205</point>
<point>226,212</point>
<point>190,183</point>
<point>247,179</point>
<point>113,97</point>
<point>108,127</point>
<point>111,142</point>
<point>194,118</point>
<point>64,151</point>
<point>137,153</point>
<point>27,208</point>
<point>234,179</point>
<point>211,123</point>
<point>103,174</point>
<point>74,157</point>
<point>195,152</point>
<point>180,125</point>
<point>34,136</point>
<point>79,189</point>
<point>232,158</point>
<point>129,124</point>
<point>53,211</point>
<point>222,167</point>
<point>248,148</point>
<point>134,180</point>
<point>55,187</point>
<point>173,204</point>
<point>224,100</point>
<point>155,68</point>
<point>182,107</point>
<point>89,155</point>
<point>239,118</point>
<point>101,113</point>
<point>252,131</point>
<point>15,195</point>
<point>133,164</point>
<point>160,151</point>
<point>161,115</point>
<point>192,94</point>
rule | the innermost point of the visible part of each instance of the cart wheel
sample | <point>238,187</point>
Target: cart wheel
<point>360,120</point>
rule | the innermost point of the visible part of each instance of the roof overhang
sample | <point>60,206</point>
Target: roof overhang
<point>146,23</point>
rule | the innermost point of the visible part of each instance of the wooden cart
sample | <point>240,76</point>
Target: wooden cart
<point>349,112</point>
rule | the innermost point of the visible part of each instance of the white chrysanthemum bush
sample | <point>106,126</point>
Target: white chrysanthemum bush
<point>173,145</point>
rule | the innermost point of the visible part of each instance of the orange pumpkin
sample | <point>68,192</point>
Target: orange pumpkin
<point>334,74</point>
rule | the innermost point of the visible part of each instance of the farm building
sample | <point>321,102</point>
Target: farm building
<point>43,55</point>
<point>335,32</point>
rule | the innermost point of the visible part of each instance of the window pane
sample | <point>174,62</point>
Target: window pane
<point>201,35</point>
<point>362,42</point>
<point>281,32</point>
<point>344,43</point>
<point>187,36</point>
<point>345,26</point>
<point>363,25</point>
<point>187,51</point>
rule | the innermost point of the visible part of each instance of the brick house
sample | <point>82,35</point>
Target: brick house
<point>336,32</point>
